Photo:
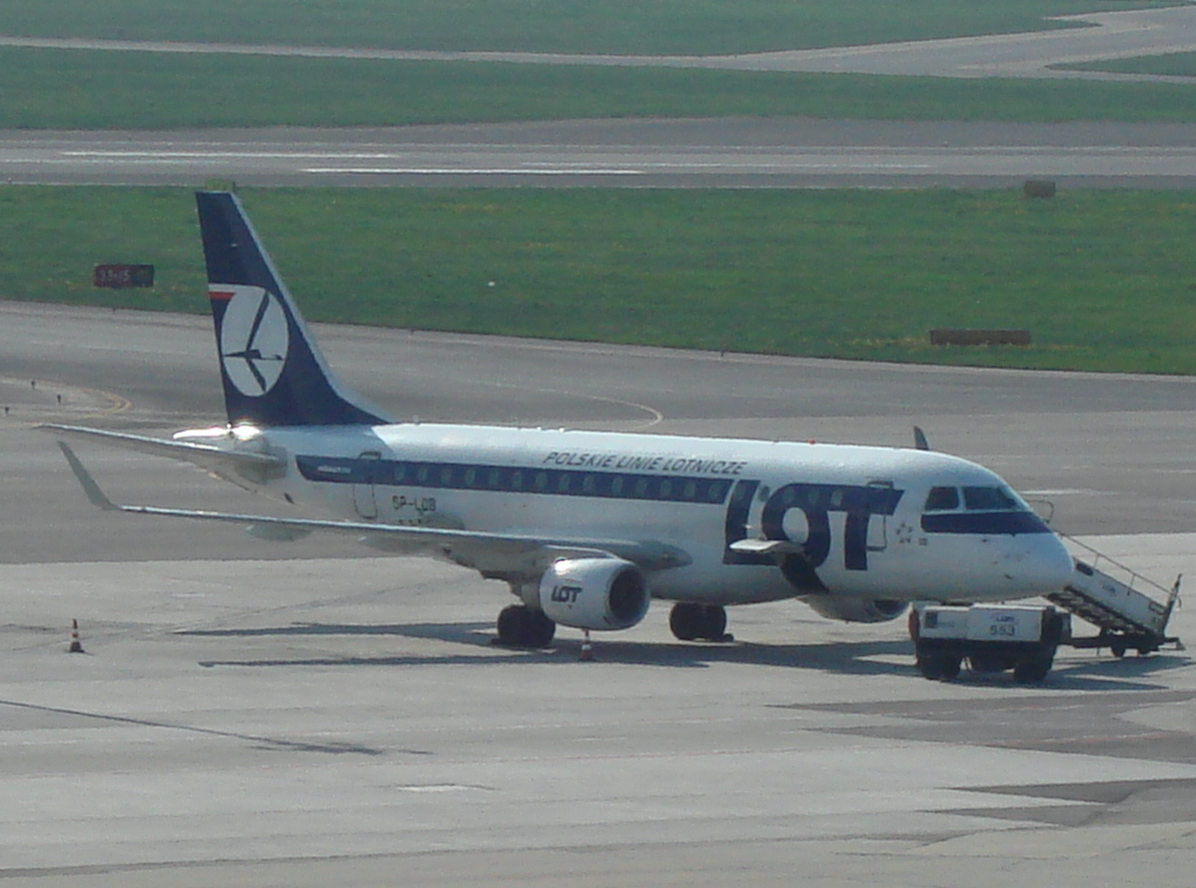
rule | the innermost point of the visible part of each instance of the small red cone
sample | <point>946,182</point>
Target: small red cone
<point>76,647</point>
<point>587,649</point>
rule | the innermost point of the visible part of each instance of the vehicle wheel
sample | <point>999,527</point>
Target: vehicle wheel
<point>687,621</point>
<point>1118,649</point>
<point>982,663</point>
<point>938,667</point>
<point>1032,671</point>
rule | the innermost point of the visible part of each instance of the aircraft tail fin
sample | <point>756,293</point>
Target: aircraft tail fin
<point>271,367</point>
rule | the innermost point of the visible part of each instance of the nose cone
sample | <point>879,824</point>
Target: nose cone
<point>1038,564</point>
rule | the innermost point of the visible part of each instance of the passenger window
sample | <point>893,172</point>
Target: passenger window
<point>942,499</point>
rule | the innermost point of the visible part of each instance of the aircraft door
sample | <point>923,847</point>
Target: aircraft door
<point>364,500</point>
<point>878,524</point>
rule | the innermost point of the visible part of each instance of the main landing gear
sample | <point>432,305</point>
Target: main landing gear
<point>699,622</point>
<point>521,627</point>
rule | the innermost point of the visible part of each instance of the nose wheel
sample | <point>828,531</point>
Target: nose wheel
<point>699,622</point>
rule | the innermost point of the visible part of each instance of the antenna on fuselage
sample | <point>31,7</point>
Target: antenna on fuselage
<point>920,439</point>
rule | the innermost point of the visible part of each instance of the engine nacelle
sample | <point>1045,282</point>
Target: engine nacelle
<point>594,593</point>
<point>856,610</point>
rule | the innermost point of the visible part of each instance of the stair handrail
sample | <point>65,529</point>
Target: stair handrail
<point>1170,596</point>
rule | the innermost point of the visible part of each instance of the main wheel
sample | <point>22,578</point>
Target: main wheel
<point>520,626</point>
<point>539,630</point>
<point>714,622</point>
<point>691,622</point>
<point>686,621</point>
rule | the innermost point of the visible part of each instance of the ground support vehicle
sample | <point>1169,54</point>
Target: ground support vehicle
<point>991,637</point>
<point>1024,638</point>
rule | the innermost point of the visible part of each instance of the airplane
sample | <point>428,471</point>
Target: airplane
<point>584,527</point>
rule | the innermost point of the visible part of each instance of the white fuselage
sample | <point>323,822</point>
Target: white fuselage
<point>849,520</point>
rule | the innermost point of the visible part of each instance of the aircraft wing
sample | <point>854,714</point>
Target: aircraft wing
<point>227,464</point>
<point>504,554</point>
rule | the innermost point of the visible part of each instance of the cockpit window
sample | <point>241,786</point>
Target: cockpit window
<point>942,499</point>
<point>989,499</point>
<point>975,499</point>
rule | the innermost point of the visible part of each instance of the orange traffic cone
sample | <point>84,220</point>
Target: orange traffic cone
<point>76,647</point>
<point>587,649</point>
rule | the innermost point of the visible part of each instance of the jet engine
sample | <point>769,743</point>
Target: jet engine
<point>594,593</point>
<point>856,610</point>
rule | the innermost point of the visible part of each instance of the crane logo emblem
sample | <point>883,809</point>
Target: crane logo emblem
<point>254,338</point>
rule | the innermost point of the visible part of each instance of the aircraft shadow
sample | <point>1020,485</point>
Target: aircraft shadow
<point>849,658</point>
<point>844,657</point>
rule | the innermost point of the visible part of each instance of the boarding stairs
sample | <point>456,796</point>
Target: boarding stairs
<point>1130,610</point>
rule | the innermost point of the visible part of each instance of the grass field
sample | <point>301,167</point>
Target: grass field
<point>1179,64</point>
<point>1104,280</point>
<point>609,26</point>
<point>51,89</point>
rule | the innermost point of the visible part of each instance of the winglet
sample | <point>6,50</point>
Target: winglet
<point>90,487</point>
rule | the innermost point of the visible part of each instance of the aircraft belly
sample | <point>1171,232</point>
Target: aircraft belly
<point>716,583</point>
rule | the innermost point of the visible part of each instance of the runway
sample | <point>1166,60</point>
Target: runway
<point>244,716</point>
<point>735,152</point>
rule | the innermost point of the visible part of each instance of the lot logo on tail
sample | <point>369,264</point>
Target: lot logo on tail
<point>254,337</point>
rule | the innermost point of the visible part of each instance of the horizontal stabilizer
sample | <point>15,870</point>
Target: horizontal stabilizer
<point>225,463</point>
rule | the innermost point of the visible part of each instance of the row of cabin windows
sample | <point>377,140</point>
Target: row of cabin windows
<point>558,481</point>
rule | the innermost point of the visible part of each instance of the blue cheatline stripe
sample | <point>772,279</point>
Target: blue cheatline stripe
<point>993,523</point>
<point>515,479</point>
